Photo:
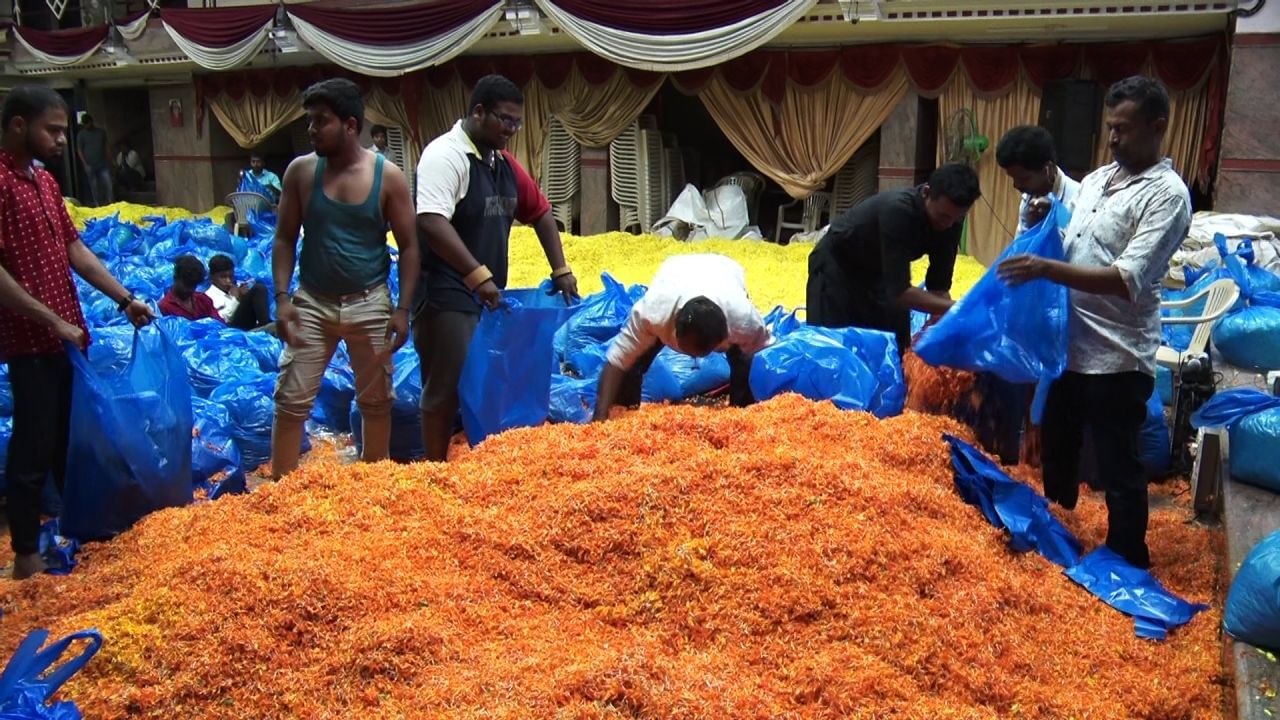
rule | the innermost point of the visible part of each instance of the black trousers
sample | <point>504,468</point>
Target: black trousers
<point>836,299</point>
<point>41,387</point>
<point>739,377</point>
<point>253,311</point>
<point>1114,408</point>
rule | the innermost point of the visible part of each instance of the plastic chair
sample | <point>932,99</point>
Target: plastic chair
<point>243,202</point>
<point>752,185</point>
<point>810,219</point>
<point>1222,295</point>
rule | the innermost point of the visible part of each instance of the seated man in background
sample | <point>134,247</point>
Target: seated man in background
<point>245,306</point>
<point>130,173</point>
<point>183,300</point>
<point>259,179</point>
<point>696,305</point>
<point>1027,156</point>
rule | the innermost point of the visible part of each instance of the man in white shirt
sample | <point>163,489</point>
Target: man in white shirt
<point>1026,154</point>
<point>697,305</point>
<point>1129,219</point>
<point>240,306</point>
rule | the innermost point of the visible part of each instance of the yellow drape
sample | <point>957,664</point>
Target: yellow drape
<point>252,119</point>
<point>810,136</point>
<point>994,218</point>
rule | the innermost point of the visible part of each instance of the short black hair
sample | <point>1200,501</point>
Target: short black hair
<point>957,182</point>
<point>188,270</point>
<point>493,89</point>
<point>256,155</point>
<point>377,130</point>
<point>29,102</point>
<point>1027,146</point>
<point>1147,93</point>
<point>338,94</point>
<point>221,263</point>
<point>701,325</point>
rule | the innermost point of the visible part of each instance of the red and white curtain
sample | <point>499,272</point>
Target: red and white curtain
<point>673,35</point>
<point>384,42</point>
<point>62,48</point>
<point>220,38</point>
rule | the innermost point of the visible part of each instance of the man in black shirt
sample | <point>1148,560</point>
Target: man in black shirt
<point>860,272</point>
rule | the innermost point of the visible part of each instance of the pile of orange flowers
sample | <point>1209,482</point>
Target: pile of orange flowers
<point>785,560</point>
<point>935,389</point>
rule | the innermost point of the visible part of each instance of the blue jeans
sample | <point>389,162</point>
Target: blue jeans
<point>100,185</point>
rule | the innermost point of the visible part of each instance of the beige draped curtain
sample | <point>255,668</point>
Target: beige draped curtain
<point>592,114</point>
<point>252,119</point>
<point>808,137</point>
<point>993,221</point>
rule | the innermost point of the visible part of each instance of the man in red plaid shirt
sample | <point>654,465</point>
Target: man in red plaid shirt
<point>39,308</point>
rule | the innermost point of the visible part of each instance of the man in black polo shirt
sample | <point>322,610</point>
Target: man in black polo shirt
<point>860,272</point>
<point>470,189</point>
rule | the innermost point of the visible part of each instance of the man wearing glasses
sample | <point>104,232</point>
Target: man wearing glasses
<point>470,189</point>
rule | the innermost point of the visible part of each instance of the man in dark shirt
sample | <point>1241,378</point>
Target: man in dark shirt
<point>183,300</point>
<point>470,190</point>
<point>860,272</point>
<point>40,312</point>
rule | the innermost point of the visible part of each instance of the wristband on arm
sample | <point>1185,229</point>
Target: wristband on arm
<point>561,272</point>
<point>477,277</point>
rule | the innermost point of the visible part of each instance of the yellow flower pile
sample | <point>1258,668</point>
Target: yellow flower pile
<point>776,274</point>
<point>131,213</point>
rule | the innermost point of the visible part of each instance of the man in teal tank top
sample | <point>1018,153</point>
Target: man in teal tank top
<point>342,196</point>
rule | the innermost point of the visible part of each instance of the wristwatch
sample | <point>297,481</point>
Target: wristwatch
<point>125,302</point>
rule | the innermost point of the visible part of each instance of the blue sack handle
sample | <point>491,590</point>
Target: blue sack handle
<point>28,662</point>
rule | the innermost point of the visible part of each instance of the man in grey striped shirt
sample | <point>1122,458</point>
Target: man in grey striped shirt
<point>1129,219</point>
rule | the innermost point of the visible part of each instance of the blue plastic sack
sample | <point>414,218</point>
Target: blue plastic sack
<point>1017,333</point>
<point>1164,385</point>
<point>1011,505</point>
<point>1134,592</point>
<point>857,369</point>
<point>30,678</point>
<point>694,376</point>
<point>1155,443</point>
<point>215,459</point>
<point>1252,613</point>
<point>599,317</point>
<point>251,406</point>
<point>333,401</point>
<point>57,550</point>
<point>1250,337</point>
<point>406,418</point>
<point>130,443</point>
<point>573,400</point>
<point>813,362</point>
<point>1022,511</point>
<point>6,392</point>
<point>506,379</point>
<point>1252,419</point>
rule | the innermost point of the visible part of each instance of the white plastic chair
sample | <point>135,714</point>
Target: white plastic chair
<point>815,206</point>
<point>243,202</point>
<point>752,184</point>
<point>1222,294</point>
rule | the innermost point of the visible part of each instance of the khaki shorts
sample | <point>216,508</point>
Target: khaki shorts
<point>361,321</point>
